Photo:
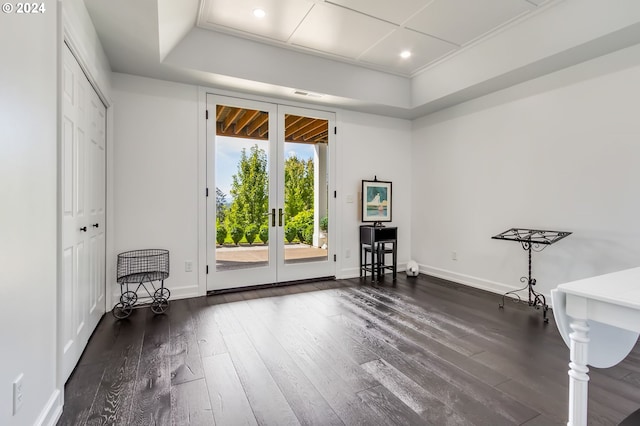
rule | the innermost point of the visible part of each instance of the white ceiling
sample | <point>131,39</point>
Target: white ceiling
<point>347,51</point>
<point>369,33</point>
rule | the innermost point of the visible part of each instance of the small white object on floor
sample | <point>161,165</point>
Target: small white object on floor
<point>412,268</point>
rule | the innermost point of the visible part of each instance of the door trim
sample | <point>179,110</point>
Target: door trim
<point>297,271</point>
<point>203,92</point>
<point>68,35</point>
<point>254,275</point>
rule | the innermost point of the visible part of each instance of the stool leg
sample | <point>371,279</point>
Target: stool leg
<point>380,261</point>
<point>395,261</point>
<point>373,264</point>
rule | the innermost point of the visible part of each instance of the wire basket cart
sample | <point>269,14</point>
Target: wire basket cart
<point>140,269</point>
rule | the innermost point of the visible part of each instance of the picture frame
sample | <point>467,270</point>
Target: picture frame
<point>376,201</point>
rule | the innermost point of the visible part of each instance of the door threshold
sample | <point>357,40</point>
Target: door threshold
<point>270,285</point>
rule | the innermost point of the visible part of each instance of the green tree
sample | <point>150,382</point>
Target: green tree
<point>290,232</point>
<point>298,186</point>
<point>307,234</point>
<point>221,234</point>
<point>221,205</point>
<point>264,233</point>
<point>301,222</point>
<point>324,223</point>
<point>251,233</point>
<point>249,189</point>
<point>237,232</point>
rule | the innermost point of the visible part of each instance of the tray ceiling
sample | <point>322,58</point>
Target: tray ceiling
<point>368,33</point>
<point>345,53</point>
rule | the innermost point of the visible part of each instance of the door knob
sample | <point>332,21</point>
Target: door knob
<point>83,229</point>
<point>273,217</point>
<point>95,225</point>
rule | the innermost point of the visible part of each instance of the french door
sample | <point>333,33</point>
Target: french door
<point>269,178</point>
<point>82,159</point>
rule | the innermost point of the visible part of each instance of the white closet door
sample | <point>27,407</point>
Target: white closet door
<point>83,206</point>
<point>95,177</point>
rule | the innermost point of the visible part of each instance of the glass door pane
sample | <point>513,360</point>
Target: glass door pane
<point>242,171</point>
<point>305,189</point>
<point>242,188</point>
<point>305,145</point>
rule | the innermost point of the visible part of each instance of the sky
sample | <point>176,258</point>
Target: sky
<point>228,155</point>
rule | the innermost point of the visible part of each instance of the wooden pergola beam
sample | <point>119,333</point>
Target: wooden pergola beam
<point>289,131</point>
<point>290,120</point>
<point>262,131</point>
<point>258,122</point>
<point>220,110</point>
<point>233,115</point>
<point>311,135</point>
<point>254,124</point>
<point>246,118</point>
<point>311,127</point>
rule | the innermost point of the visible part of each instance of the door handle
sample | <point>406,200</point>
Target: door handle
<point>273,217</point>
<point>95,225</point>
<point>280,214</point>
<point>83,229</point>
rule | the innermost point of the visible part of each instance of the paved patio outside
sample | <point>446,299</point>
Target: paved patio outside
<point>239,257</point>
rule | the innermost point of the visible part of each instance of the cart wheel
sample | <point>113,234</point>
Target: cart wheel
<point>159,305</point>
<point>161,293</point>
<point>122,310</point>
<point>129,298</point>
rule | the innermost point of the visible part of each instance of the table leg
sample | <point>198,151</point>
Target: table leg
<point>578,374</point>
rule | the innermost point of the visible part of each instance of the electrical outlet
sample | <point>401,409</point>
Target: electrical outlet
<point>188,266</point>
<point>347,253</point>
<point>454,255</point>
<point>18,394</point>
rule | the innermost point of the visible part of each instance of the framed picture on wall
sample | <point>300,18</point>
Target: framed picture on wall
<point>376,201</point>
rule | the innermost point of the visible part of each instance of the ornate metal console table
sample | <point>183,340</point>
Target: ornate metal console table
<point>536,240</point>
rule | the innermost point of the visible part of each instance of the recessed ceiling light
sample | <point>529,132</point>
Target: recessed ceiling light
<point>259,13</point>
<point>405,54</point>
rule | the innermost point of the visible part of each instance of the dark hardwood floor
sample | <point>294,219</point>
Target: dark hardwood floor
<point>424,351</point>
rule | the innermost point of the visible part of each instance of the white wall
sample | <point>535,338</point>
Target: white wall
<point>156,180</point>
<point>156,173</point>
<point>369,146</point>
<point>560,152</point>
<point>28,228</point>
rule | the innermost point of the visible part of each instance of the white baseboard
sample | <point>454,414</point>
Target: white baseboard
<point>346,274</point>
<point>185,292</point>
<point>479,283</point>
<point>52,411</point>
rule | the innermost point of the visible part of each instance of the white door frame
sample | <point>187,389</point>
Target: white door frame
<point>68,36</point>
<point>248,276</point>
<point>315,269</point>
<point>287,272</point>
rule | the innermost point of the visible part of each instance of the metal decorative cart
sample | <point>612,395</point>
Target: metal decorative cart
<point>536,240</point>
<point>140,269</point>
